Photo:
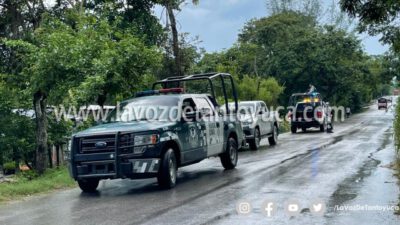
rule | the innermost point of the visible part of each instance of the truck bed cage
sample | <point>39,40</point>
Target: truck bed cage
<point>209,77</point>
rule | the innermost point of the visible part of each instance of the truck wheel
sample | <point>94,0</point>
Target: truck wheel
<point>255,143</point>
<point>88,185</point>
<point>293,129</point>
<point>168,170</point>
<point>304,129</point>
<point>273,140</point>
<point>230,157</point>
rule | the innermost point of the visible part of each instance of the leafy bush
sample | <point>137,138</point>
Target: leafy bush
<point>284,127</point>
<point>9,166</point>
<point>396,126</point>
<point>29,174</point>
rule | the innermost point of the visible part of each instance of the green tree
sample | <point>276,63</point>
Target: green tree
<point>190,53</point>
<point>134,15</point>
<point>170,7</point>
<point>59,132</point>
<point>269,89</point>
<point>63,58</point>
<point>16,127</point>
<point>294,49</point>
<point>19,18</point>
<point>377,17</point>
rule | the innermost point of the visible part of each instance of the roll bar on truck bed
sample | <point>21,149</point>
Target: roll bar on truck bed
<point>210,77</point>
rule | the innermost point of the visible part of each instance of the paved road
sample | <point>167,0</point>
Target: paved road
<point>343,168</point>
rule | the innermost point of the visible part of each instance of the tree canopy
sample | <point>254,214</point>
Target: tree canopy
<point>377,17</point>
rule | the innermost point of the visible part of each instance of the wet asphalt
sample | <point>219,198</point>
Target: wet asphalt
<point>348,167</point>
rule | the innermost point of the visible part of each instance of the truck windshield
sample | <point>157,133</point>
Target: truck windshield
<point>382,100</point>
<point>247,108</point>
<point>159,108</point>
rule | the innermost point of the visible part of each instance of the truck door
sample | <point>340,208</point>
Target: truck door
<point>265,120</point>
<point>192,135</point>
<point>214,126</point>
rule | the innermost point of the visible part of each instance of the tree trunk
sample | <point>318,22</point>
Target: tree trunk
<point>50,155</point>
<point>39,104</point>
<point>16,158</point>
<point>101,99</point>
<point>175,38</point>
<point>58,155</point>
<point>1,162</point>
<point>27,164</point>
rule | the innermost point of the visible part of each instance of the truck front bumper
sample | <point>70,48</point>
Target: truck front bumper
<point>248,132</point>
<point>108,169</point>
<point>113,165</point>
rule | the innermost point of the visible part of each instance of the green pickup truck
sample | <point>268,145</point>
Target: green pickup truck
<point>176,129</point>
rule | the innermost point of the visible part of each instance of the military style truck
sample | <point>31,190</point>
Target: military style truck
<point>309,111</point>
<point>176,129</point>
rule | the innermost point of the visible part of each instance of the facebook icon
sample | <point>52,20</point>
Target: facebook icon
<point>269,208</point>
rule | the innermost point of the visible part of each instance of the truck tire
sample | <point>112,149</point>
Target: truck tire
<point>168,170</point>
<point>293,129</point>
<point>304,129</point>
<point>273,140</point>
<point>88,185</point>
<point>255,143</point>
<point>230,157</point>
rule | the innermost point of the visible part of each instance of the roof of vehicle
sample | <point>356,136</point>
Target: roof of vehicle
<point>168,96</point>
<point>249,102</point>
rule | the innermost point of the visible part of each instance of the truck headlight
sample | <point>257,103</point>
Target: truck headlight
<point>149,139</point>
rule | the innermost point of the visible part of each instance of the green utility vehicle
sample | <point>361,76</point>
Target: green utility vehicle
<point>157,132</point>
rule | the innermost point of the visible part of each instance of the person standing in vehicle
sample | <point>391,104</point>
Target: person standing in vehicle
<point>311,89</point>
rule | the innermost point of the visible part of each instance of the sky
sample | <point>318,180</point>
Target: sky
<point>217,23</point>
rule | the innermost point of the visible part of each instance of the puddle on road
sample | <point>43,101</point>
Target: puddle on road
<point>312,156</point>
<point>348,189</point>
<point>314,162</point>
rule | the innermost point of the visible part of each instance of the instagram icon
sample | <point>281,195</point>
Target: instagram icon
<point>243,208</point>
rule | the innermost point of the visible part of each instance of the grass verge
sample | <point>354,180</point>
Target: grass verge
<point>53,179</point>
<point>397,168</point>
<point>396,125</point>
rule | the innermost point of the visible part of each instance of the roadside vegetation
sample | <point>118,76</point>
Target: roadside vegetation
<point>28,183</point>
<point>78,53</point>
<point>396,125</point>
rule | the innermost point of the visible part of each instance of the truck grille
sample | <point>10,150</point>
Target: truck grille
<point>126,143</point>
<point>97,144</point>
